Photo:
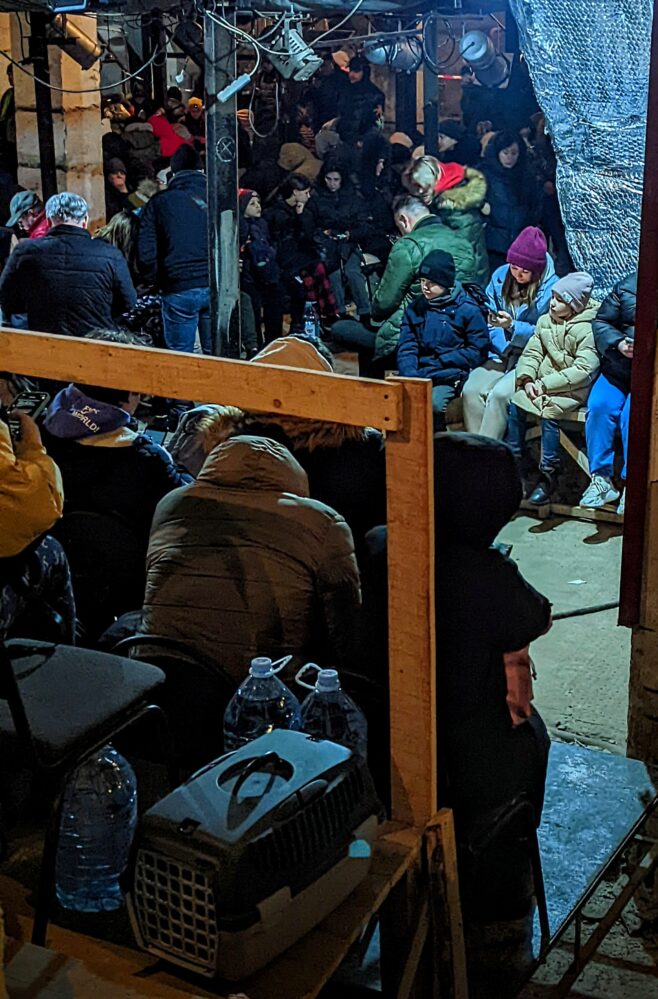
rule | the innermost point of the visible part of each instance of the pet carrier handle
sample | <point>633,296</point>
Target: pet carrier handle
<point>268,761</point>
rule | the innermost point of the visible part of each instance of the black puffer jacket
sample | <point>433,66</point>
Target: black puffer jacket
<point>513,198</point>
<point>67,283</point>
<point>338,212</point>
<point>126,480</point>
<point>172,248</point>
<point>615,321</point>
<point>292,236</point>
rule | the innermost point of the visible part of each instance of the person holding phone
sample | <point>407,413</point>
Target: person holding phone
<point>518,294</point>
<point>36,599</point>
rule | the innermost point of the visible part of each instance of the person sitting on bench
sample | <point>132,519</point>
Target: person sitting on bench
<point>554,374</point>
<point>608,407</point>
<point>443,335</point>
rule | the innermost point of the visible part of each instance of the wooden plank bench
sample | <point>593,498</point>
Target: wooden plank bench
<point>569,425</point>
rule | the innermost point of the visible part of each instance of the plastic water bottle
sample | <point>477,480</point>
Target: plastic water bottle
<point>329,713</point>
<point>311,322</point>
<point>98,824</point>
<point>260,704</point>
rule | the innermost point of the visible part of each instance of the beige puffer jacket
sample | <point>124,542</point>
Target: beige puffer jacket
<point>563,357</point>
<point>242,563</point>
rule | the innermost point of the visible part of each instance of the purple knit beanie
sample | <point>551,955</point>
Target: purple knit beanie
<point>529,251</point>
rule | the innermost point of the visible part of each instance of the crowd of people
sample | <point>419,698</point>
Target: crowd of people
<point>256,533</point>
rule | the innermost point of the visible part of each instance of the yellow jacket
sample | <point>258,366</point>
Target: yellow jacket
<point>31,494</point>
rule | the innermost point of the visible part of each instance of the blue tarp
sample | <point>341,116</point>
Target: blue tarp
<point>589,63</point>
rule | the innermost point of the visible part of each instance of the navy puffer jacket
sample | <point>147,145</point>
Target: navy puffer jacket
<point>67,283</point>
<point>443,340</point>
<point>172,248</point>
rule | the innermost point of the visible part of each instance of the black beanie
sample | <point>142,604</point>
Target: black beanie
<point>439,267</point>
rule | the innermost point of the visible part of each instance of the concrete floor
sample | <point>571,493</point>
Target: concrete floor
<point>582,664</point>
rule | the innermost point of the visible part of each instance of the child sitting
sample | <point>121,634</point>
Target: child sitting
<point>555,373</point>
<point>443,335</point>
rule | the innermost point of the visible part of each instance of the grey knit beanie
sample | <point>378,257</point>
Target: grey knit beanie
<point>575,289</point>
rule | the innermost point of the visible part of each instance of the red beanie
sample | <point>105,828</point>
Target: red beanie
<point>245,194</point>
<point>529,251</point>
<point>451,175</point>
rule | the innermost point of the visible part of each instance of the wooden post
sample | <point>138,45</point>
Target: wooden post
<point>431,95</point>
<point>44,105</point>
<point>639,596</point>
<point>411,631</point>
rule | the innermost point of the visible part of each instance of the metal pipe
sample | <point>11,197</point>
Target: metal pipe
<point>43,103</point>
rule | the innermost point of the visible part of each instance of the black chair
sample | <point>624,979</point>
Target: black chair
<point>108,566</point>
<point>58,706</point>
<point>194,696</point>
<point>504,837</point>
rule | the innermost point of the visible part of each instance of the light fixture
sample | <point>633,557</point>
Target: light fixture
<point>490,67</point>
<point>290,54</point>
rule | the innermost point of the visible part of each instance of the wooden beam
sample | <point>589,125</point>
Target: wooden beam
<point>411,631</point>
<point>259,387</point>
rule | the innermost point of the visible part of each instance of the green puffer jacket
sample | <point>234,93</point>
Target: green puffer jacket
<point>400,284</point>
<point>459,209</point>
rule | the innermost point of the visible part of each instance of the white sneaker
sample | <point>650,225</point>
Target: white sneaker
<point>622,503</point>
<point>599,492</point>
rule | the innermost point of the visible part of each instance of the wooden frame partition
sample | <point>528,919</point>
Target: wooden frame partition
<point>399,406</point>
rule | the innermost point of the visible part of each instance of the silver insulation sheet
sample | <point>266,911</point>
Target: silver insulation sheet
<point>589,63</point>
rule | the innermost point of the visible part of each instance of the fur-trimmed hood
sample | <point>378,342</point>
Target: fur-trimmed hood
<point>204,427</point>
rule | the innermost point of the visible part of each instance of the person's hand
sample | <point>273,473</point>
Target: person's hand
<point>30,437</point>
<point>549,187</point>
<point>533,390</point>
<point>501,319</point>
<point>299,207</point>
<point>625,348</point>
<point>486,208</point>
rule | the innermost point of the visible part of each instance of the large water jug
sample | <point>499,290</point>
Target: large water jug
<point>329,713</point>
<point>98,824</point>
<point>261,703</point>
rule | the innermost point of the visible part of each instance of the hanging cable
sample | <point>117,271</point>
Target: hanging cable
<point>85,90</point>
<point>340,24</point>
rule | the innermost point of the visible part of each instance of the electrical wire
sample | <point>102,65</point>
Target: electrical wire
<point>330,31</point>
<point>264,135</point>
<point>86,90</point>
<point>239,33</point>
<point>439,66</point>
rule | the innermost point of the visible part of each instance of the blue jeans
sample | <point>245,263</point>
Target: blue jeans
<point>608,411</point>
<point>182,313</point>
<point>550,438</point>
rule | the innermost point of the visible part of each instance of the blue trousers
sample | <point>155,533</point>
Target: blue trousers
<point>550,438</point>
<point>182,313</point>
<point>608,411</point>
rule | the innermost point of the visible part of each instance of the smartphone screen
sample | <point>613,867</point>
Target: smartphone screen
<point>32,403</point>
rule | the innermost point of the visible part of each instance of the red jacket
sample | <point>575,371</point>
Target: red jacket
<point>168,135</point>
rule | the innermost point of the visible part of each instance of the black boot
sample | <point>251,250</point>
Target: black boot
<point>543,491</point>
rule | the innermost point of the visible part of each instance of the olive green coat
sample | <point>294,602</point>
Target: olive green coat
<point>400,283</point>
